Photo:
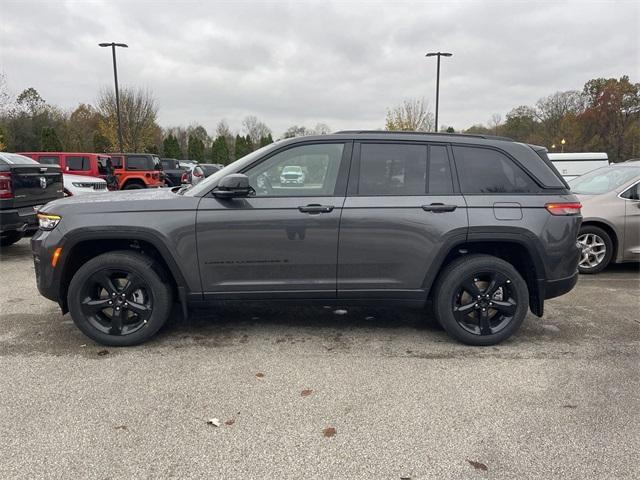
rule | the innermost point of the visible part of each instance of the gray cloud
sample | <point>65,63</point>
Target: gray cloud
<point>306,62</point>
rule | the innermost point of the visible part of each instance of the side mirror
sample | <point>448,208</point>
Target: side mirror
<point>232,186</point>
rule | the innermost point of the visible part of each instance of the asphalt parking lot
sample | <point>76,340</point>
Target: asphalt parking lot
<point>558,400</point>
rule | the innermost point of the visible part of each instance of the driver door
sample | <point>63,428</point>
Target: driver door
<point>282,242</point>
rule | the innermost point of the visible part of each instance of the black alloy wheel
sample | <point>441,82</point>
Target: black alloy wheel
<point>485,303</point>
<point>480,299</point>
<point>120,298</point>
<point>116,302</point>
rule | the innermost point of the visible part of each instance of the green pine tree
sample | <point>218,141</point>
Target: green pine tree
<point>242,147</point>
<point>266,140</point>
<point>220,151</point>
<point>49,140</point>
<point>195,149</point>
<point>171,147</point>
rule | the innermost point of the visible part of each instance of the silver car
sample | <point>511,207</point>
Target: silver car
<point>610,229</point>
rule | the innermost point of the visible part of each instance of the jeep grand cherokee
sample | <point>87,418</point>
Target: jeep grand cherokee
<point>481,228</point>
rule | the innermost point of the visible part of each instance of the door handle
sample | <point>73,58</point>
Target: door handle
<point>315,208</point>
<point>439,208</point>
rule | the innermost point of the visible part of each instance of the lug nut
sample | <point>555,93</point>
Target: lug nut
<point>110,302</point>
<point>118,308</point>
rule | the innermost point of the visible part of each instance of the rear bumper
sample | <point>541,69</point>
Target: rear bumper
<point>555,288</point>
<point>20,219</point>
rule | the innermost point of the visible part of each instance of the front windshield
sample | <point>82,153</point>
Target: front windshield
<point>603,180</point>
<point>206,184</point>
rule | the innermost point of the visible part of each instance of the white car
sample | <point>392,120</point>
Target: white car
<point>82,184</point>
<point>292,174</point>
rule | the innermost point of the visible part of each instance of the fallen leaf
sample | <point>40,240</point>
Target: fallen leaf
<point>121,427</point>
<point>329,432</point>
<point>260,375</point>
<point>478,465</point>
<point>306,392</point>
<point>231,421</point>
<point>214,421</point>
<point>102,353</point>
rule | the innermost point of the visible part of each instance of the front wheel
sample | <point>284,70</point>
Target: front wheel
<point>481,300</point>
<point>597,249</point>
<point>119,298</point>
<point>133,186</point>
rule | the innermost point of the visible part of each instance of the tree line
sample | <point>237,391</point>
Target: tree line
<point>603,116</point>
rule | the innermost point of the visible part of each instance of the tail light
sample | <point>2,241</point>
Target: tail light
<point>6,191</point>
<point>197,173</point>
<point>569,208</point>
<point>184,178</point>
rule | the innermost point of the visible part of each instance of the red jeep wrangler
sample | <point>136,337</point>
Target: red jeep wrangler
<point>137,170</point>
<point>90,164</point>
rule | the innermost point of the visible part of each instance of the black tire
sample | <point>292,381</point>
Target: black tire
<point>11,237</point>
<point>134,186</point>
<point>589,263</point>
<point>497,288</point>
<point>139,279</point>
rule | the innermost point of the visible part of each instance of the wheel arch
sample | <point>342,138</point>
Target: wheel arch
<point>133,180</point>
<point>518,250</point>
<point>607,227</point>
<point>81,246</point>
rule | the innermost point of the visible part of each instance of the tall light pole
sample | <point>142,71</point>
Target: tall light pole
<point>115,78</point>
<point>438,54</point>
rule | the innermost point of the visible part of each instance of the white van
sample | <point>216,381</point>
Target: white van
<point>572,165</point>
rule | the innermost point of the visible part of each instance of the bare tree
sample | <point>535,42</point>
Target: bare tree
<point>322,129</point>
<point>255,129</point>
<point>138,110</point>
<point>495,122</point>
<point>412,115</point>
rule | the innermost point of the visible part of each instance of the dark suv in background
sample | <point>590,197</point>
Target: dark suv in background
<point>483,229</point>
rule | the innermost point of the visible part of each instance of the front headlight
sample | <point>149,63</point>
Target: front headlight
<point>48,222</point>
<point>82,185</point>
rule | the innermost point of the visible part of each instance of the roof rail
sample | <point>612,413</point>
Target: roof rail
<point>405,132</point>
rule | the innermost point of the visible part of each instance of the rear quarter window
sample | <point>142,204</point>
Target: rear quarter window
<point>484,170</point>
<point>139,163</point>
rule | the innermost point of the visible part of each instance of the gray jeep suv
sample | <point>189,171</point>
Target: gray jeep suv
<point>480,228</point>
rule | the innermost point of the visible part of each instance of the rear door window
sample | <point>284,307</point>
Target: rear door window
<point>484,170</point>
<point>78,163</point>
<point>392,169</point>
<point>404,169</point>
<point>49,159</point>
<point>116,161</point>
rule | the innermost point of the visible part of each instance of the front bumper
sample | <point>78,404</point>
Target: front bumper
<point>47,279</point>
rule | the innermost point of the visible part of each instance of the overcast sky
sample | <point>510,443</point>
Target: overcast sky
<point>341,63</point>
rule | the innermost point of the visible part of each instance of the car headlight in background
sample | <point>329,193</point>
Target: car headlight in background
<point>48,222</point>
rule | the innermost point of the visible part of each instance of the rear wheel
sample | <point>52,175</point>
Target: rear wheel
<point>9,238</point>
<point>597,249</point>
<point>119,298</point>
<point>481,300</point>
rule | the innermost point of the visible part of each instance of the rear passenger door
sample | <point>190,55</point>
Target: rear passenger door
<point>402,209</point>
